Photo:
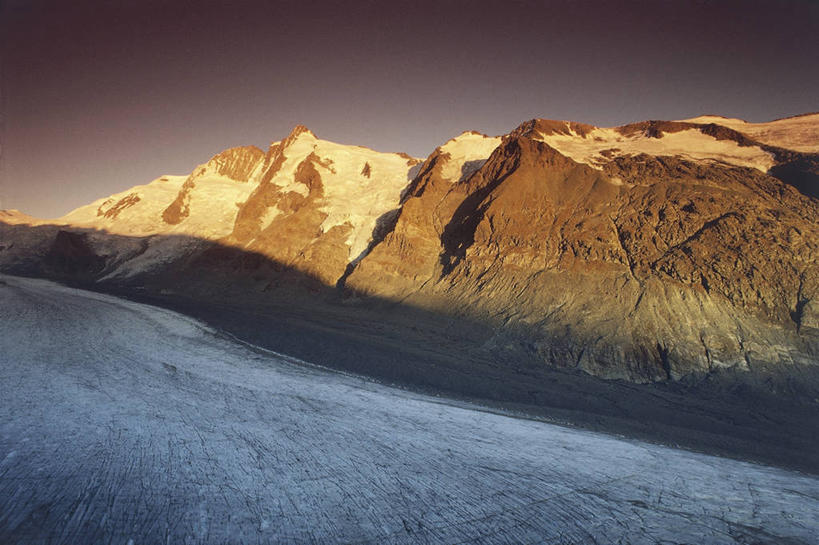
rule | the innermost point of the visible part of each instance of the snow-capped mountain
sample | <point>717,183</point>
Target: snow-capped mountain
<point>646,252</point>
<point>315,190</point>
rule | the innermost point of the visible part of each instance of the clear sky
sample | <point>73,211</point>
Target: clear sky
<point>98,96</point>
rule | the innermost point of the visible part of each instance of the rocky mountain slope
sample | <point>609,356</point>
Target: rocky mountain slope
<point>647,252</point>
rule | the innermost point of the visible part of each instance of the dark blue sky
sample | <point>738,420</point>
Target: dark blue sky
<point>100,96</point>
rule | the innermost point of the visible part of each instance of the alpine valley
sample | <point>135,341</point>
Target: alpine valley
<point>559,265</point>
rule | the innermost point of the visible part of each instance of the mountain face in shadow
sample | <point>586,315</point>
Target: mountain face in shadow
<point>650,252</point>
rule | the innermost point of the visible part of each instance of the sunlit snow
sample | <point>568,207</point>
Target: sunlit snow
<point>467,153</point>
<point>690,144</point>
<point>350,197</point>
<point>800,133</point>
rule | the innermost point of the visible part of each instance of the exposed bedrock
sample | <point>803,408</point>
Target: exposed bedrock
<point>653,268</point>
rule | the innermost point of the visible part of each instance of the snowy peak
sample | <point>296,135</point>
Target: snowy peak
<point>218,177</point>
<point>15,217</point>
<point>297,132</point>
<point>546,127</point>
<point>202,204</point>
<point>329,197</point>
<point>469,140</point>
<point>461,156</point>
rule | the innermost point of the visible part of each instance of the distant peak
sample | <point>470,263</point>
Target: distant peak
<point>808,114</point>
<point>540,126</point>
<point>466,136</point>
<point>472,133</point>
<point>714,118</point>
<point>298,130</point>
<point>15,216</point>
<point>239,151</point>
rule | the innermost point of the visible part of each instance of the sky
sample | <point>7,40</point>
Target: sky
<point>98,96</point>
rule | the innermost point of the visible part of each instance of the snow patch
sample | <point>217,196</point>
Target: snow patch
<point>599,146</point>
<point>295,153</point>
<point>467,153</point>
<point>145,217</point>
<point>211,203</point>
<point>15,217</point>
<point>269,215</point>
<point>351,197</point>
<point>213,206</point>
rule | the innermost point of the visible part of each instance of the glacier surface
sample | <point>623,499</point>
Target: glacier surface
<point>125,423</point>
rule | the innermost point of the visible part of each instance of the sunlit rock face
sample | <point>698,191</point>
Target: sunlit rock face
<point>644,252</point>
<point>631,265</point>
<point>318,204</point>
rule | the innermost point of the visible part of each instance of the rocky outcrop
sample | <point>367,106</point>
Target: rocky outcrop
<point>71,255</point>
<point>238,164</point>
<point>801,170</point>
<point>111,208</point>
<point>294,237</point>
<point>406,255</point>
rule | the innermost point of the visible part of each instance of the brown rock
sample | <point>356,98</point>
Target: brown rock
<point>653,268</point>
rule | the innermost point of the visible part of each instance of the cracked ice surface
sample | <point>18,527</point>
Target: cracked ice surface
<point>121,421</point>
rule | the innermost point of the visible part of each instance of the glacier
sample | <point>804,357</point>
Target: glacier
<point>125,423</point>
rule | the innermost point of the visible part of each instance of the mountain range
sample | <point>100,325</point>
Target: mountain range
<point>649,252</point>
